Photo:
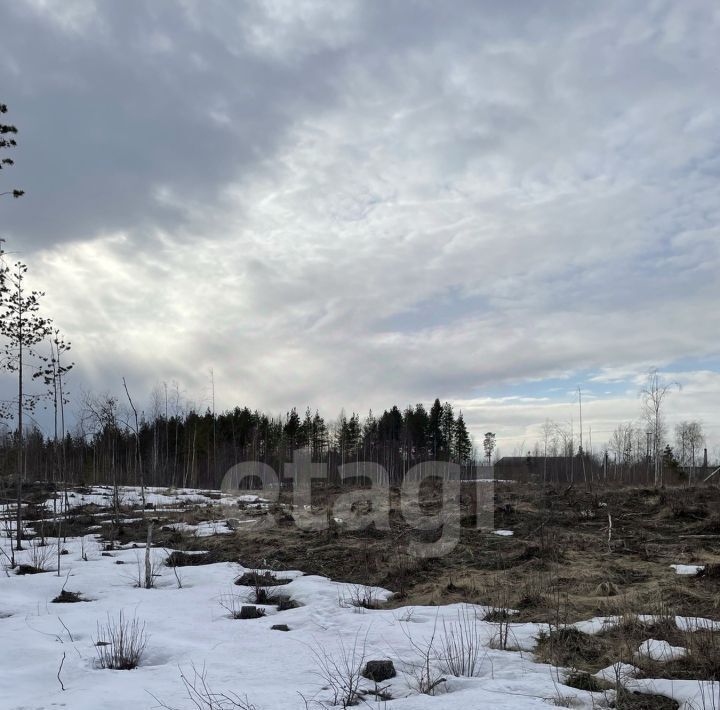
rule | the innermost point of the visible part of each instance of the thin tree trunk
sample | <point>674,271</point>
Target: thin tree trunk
<point>18,517</point>
<point>148,563</point>
<point>138,455</point>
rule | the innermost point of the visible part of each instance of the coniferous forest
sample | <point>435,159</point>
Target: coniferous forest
<point>187,448</point>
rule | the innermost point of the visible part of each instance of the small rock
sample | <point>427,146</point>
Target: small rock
<point>379,671</point>
<point>119,562</point>
<point>280,627</point>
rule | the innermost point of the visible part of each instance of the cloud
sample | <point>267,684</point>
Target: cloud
<point>354,204</point>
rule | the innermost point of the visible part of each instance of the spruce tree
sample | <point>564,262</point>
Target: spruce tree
<point>370,433</point>
<point>292,429</point>
<point>447,426</point>
<point>306,429</point>
<point>352,435</point>
<point>435,441</point>
<point>463,444</point>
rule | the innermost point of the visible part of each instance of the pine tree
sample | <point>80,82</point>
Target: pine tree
<point>7,142</point>
<point>23,329</point>
<point>54,372</point>
<point>319,438</point>
<point>489,445</point>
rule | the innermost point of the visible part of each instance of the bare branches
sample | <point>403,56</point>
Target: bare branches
<point>203,697</point>
<point>341,669</point>
<point>461,650</point>
<point>120,643</point>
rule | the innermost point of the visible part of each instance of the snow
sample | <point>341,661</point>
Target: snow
<point>687,569</point>
<point>684,623</point>
<point>204,529</point>
<point>662,651</point>
<point>166,498</point>
<point>617,671</point>
<point>503,533</point>
<point>596,625</point>
<point>188,627</point>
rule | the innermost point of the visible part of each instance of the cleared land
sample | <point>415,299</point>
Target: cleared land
<point>585,583</point>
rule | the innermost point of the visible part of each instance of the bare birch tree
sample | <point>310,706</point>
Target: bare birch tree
<point>653,397</point>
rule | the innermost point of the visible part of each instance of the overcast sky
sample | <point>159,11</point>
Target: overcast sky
<point>355,204</point>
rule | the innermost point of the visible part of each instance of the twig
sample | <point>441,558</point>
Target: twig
<point>62,686</point>
<point>72,640</point>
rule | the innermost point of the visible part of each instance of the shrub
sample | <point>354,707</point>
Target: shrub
<point>259,581</point>
<point>584,681</point>
<point>255,578</point>
<point>41,556</point>
<point>425,677</point>
<point>27,569</point>
<point>460,648</point>
<point>178,558</point>
<point>286,603</point>
<point>566,646</point>
<point>66,597</point>
<point>120,643</point>
<point>359,596</point>
<point>203,697</point>
<point>341,670</point>
<point>633,700</point>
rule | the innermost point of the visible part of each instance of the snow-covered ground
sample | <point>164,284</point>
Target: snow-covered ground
<point>189,627</point>
<point>102,496</point>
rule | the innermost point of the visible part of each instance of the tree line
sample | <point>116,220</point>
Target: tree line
<point>174,444</point>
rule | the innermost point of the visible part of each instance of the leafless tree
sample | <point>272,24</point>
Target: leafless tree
<point>547,429</point>
<point>689,438</point>
<point>138,453</point>
<point>653,396</point>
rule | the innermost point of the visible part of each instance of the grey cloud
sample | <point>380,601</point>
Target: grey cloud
<point>107,121</point>
<point>355,203</point>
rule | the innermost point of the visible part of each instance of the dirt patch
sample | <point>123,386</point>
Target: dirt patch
<point>178,558</point>
<point>261,579</point>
